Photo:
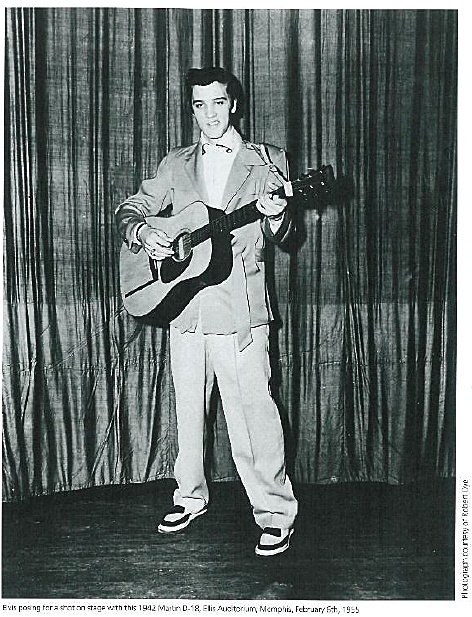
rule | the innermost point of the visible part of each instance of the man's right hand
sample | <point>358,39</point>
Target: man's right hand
<point>155,242</point>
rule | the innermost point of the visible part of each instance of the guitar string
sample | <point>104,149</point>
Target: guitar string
<point>225,222</point>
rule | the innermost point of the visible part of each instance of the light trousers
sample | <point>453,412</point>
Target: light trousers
<point>252,418</point>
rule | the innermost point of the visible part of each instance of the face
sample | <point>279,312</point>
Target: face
<point>212,108</point>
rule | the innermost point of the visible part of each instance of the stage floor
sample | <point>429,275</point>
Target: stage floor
<point>352,542</point>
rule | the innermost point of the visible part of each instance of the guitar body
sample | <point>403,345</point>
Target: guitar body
<point>156,293</point>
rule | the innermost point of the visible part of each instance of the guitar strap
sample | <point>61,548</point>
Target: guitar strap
<point>265,156</point>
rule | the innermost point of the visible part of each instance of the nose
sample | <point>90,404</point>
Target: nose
<point>211,111</point>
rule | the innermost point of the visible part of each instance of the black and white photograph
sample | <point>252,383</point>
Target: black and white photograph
<point>232,360</point>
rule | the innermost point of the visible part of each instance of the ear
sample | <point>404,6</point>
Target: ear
<point>234,106</point>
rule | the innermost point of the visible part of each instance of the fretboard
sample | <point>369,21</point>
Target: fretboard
<point>316,182</point>
<point>226,223</point>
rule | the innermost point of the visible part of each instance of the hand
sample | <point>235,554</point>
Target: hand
<point>156,242</point>
<point>271,206</point>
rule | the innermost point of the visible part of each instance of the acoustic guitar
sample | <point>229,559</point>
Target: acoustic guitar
<point>156,292</point>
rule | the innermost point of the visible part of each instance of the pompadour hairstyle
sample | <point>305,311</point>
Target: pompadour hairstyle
<point>207,75</point>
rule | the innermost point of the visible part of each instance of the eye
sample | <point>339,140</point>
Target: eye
<point>198,105</point>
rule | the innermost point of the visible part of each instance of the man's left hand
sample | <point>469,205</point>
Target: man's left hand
<point>271,206</point>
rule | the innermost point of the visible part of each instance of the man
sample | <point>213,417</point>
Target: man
<point>223,330</point>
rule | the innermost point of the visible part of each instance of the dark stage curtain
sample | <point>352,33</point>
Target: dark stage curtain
<point>364,345</point>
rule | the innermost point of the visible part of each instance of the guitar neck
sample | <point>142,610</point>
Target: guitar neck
<point>226,223</point>
<point>317,182</point>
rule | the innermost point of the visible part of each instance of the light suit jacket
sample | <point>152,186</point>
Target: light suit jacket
<point>179,181</point>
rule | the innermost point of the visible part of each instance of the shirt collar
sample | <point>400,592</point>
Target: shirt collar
<point>231,139</point>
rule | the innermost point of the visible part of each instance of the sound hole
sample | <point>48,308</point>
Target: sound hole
<point>182,246</point>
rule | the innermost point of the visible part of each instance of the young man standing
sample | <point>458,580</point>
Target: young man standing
<point>223,331</point>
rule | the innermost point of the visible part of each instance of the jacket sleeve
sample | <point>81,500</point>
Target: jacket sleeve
<point>153,196</point>
<point>279,166</point>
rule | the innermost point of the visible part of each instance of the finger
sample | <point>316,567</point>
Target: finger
<point>156,243</point>
<point>161,237</point>
<point>271,207</point>
<point>259,187</point>
<point>161,243</point>
<point>265,205</point>
<point>279,201</point>
<point>262,203</point>
<point>159,254</point>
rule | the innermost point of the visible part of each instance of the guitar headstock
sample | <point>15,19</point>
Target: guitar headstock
<point>317,182</point>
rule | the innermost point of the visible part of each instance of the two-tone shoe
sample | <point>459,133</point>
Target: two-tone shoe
<point>177,519</point>
<point>273,541</point>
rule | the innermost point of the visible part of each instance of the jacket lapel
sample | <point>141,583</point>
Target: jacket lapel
<point>245,160</point>
<point>193,178</point>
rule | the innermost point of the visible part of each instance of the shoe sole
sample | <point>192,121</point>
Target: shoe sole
<point>275,551</point>
<point>169,530</point>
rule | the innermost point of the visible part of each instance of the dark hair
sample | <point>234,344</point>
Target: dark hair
<point>207,75</point>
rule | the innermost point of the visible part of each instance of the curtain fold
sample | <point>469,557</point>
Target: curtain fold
<point>363,348</point>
